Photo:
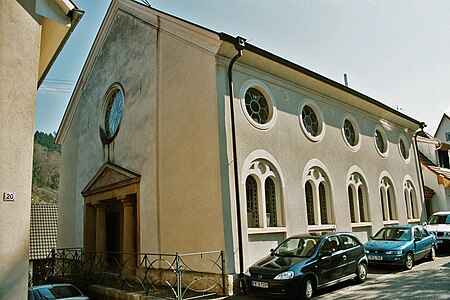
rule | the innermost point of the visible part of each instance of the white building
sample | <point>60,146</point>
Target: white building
<point>148,137</point>
<point>436,167</point>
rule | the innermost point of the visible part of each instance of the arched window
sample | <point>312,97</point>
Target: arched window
<point>263,196</point>
<point>357,198</point>
<point>387,196</point>
<point>252,202</point>
<point>309,203</point>
<point>318,198</point>
<point>271,203</point>
<point>410,200</point>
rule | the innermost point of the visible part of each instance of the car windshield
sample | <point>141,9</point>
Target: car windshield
<point>297,247</point>
<point>439,219</point>
<point>59,292</point>
<point>393,234</point>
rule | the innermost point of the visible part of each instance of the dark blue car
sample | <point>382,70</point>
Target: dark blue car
<point>401,245</point>
<point>304,263</point>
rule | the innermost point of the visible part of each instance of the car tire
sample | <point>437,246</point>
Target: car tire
<point>409,261</point>
<point>361,273</point>
<point>432,255</point>
<point>306,288</point>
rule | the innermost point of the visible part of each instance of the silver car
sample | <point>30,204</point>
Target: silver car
<point>439,224</point>
<point>55,291</point>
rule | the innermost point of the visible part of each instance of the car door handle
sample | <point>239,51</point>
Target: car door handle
<point>344,257</point>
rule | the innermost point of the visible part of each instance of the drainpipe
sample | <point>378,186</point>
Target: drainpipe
<point>422,126</point>
<point>239,45</point>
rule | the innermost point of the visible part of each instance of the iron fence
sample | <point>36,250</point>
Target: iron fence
<point>171,276</point>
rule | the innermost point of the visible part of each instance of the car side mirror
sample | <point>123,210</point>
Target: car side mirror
<point>417,239</point>
<point>424,224</point>
<point>370,237</point>
<point>272,251</point>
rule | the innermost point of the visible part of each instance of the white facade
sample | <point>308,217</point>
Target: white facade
<point>436,166</point>
<point>318,157</point>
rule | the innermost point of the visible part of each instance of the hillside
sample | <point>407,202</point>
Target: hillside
<point>46,157</point>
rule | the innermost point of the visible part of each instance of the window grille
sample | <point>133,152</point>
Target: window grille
<point>323,204</point>
<point>310,120</point>
<point>362,205</point>
<point>252,202</point>
<point>257,106</point>
<point>350,134</point>
<point>271,205</point>
<point>309,203</point>
<point>352,206</point>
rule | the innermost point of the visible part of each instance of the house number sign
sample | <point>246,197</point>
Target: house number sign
<point>9,196</point>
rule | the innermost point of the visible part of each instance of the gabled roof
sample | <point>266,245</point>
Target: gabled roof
<point>43,229</point>
<point>226,50</point>
<point>444,117</point>
<point>108,177</point>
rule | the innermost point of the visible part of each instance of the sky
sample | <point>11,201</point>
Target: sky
<point>394,51</point>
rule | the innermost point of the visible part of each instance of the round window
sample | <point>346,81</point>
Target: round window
<point>349,132</point>
<point>380,140</point>
<point>311,120</point>
<point>112,113</point>
<point>404,150</point>
<point>257,106</point>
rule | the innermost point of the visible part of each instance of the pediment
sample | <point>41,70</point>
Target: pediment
<point>110,176</point>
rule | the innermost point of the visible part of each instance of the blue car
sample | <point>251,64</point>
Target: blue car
<point>401,245</point>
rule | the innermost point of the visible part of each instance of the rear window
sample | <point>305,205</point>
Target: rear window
<point>439,219</point>
<point>58,292</point>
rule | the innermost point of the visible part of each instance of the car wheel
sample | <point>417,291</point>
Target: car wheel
<point>432,255</point>
<point>361,273</point>
<point>306,288</point>
<point>409,261</point>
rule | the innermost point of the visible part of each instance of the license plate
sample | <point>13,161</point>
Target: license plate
<point>260,284</point>
<point>440,241</point>
<point>375,257</point>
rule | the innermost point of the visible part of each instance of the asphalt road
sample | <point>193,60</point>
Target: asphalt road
<point>427,280</point>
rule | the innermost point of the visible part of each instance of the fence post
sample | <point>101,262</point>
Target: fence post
<point>179,295</point>
<point>63,259</point>
<point>223,272</point>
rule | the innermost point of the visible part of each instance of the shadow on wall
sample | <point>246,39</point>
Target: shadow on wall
<point>12,281</point>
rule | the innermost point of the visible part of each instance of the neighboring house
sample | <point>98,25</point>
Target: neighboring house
<point>32,32</point>
<point>43,230</point>
<point>156,159</point>
<point>434,158</point>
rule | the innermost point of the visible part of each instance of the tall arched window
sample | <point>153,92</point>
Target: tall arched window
<point>410,200</point>
<point>318,198</point>
<point>263,196</point>
<point>252,202</point>
<point>271,203</point>
<point>309,203</point>
<point>357,198</point>
<point>387,196</point>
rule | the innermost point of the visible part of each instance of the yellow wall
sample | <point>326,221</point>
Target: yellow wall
<point>19,59</point>
<point>189,170</point>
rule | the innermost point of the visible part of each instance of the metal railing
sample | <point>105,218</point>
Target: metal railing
<point>171,276</point>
